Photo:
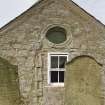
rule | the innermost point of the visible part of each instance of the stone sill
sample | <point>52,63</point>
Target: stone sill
<point>55,85</point>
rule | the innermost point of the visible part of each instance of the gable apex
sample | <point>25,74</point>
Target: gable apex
<point>40,4</point>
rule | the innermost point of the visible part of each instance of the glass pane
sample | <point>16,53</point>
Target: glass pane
<point>54,76</point>
<point>54,61</point>
<point>61,76</point>
<point>62,60</point>
<point>56,35</point>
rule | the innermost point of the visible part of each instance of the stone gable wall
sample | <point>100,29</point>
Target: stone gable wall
<point>26,46</point>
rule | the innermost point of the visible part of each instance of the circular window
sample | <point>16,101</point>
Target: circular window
<point>56,35</point>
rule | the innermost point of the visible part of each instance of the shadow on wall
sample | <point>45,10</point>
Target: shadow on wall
<point>9,86</point>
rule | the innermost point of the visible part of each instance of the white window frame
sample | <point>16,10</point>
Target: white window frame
<point>49,69</point>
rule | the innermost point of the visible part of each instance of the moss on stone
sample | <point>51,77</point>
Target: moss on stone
<point>9,87</point>
<point>83,82</point>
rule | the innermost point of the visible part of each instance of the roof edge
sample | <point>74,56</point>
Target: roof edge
<point>5,27</point>
<point>19,16</point>
<point>88,13</point>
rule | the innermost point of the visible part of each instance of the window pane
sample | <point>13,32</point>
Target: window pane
<point>61,76</point>
<point>56,35</point>
<point>54,76</point>
<point>54,61</point>
<point>62,60</point>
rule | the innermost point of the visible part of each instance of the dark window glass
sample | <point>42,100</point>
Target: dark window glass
<point>61,76</point>
<point>62,60</point>
<point>56,35</point>
<point>54,76</point>
<point>54,61</point>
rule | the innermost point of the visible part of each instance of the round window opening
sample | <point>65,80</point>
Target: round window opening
<point>56,35</point>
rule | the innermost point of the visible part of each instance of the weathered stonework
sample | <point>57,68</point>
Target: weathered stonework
<point>9,87</point>
<point>23,43</point>
<point>83,82</point>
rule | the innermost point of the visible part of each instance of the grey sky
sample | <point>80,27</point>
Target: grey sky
<point>9,9</point>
